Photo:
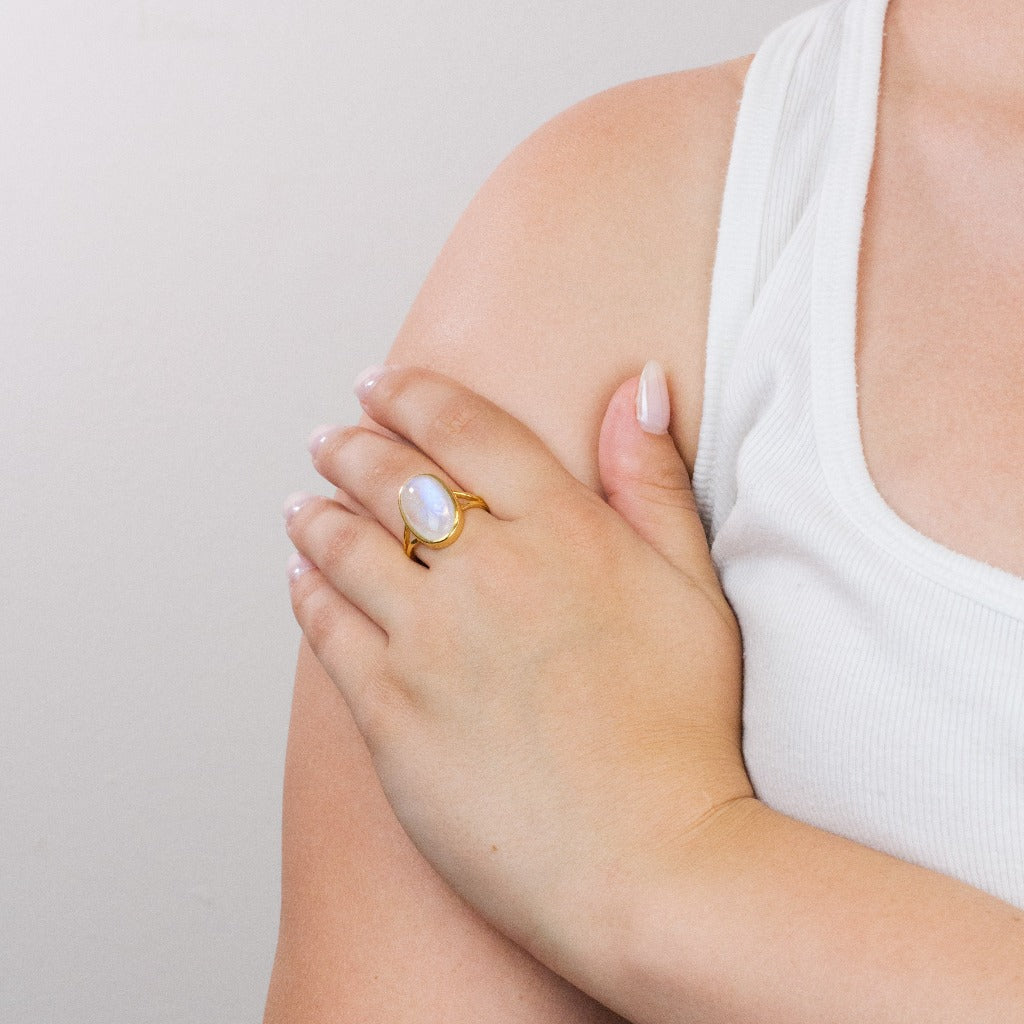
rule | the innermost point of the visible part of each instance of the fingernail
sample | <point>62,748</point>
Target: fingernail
<point>365,381</point>
<point>652,410</point>
<point>293,503</point>
<point>318,437</point>
<point>297,565</point>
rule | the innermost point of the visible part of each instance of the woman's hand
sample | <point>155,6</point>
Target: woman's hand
<point>555,697</point>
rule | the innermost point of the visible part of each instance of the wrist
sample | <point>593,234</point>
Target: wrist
<point>681,957</point>
<point>635,935</point>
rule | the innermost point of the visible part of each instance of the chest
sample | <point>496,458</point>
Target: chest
<point>940,335</point>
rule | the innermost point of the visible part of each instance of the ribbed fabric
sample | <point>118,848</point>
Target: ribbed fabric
<point>883,672</point>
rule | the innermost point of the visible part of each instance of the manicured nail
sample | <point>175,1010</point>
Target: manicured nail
<point>293,503</point>
<point>297,565</point>
<point>652,411</point>
<point>365,381</point>
<point>318,437</point>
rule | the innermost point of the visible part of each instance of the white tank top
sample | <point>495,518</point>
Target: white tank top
<point>883,672</point>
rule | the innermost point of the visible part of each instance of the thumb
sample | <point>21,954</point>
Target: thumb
<point>644,477</point>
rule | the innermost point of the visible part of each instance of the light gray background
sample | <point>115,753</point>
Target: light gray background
<point>212,216</point>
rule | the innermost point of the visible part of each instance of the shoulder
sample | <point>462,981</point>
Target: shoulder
<point>648,129</point>
<point>587,251</point>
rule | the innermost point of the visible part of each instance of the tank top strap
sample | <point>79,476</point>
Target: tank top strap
<point>780,145</point>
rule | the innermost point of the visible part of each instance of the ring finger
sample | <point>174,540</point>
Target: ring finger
<point>371,468</point>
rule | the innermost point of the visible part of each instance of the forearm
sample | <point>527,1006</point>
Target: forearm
<point>766,920</point>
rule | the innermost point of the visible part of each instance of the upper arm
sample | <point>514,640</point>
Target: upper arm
<point>587,252</point>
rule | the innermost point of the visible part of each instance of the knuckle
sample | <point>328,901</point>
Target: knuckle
<point>457,420</point>
<point>394,385</point>
<point>359,452</point>
<point>384,467</point>
<point>320,624</point>
<point>667,487</point>
<point>336,443</point>
<point>315,615</point>
<point>341,545</point>
<point>379,708</point>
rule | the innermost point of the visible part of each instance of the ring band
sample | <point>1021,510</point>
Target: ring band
<point>433,512</point>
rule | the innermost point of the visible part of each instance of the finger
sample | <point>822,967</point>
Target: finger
<point>350,646</point>
<point>647,482</point>
<point>346,501</point>
<point>472,439</point>
<point>371,469</point>
<point>316,441</point>
<point>356,555</point>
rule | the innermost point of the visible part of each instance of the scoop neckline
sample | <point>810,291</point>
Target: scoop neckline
<point>834,292</point>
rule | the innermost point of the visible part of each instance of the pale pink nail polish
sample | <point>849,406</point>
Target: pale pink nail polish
<point>652,409</point>
<point>317,438</point>
<point>297,565</point>
<point>293,503</point>
<point>366,380</point>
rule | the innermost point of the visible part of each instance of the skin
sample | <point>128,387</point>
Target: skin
<point>939,352</point>
<point>578,779</point>
<point>368,930</point>
<point>541,769</point>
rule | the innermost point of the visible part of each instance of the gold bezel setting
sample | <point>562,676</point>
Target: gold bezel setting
<point>461,500</point>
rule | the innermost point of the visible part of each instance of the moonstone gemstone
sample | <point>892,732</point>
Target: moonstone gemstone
<point>427,507</point>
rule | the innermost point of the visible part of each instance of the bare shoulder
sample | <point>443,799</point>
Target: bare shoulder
<point>588,251</point>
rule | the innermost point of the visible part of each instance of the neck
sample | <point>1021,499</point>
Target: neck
<point>960,50</point>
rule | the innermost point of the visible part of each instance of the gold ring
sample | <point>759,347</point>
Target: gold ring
<point>432,511</point>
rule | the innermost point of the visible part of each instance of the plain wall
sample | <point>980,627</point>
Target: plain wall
<point>212,216</point>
